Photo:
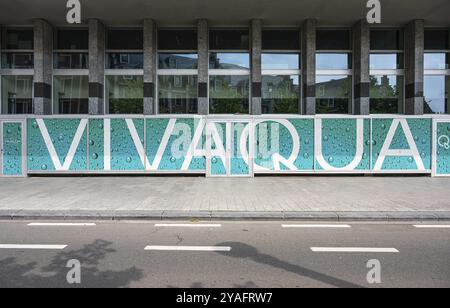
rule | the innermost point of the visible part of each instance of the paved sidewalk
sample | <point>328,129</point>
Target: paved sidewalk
<point>303,197</point>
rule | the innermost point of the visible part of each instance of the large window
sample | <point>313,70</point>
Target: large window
<point>71,94</point>
<point>177,71</point>
<point>125,49</point>
<point>17,48</point>
<point>437,71</point>
<point>386,71</point>
<point>71,49</point>
<point>125,94</point>
<point>333,71</point>
<point>281,71</point>
<point>17,94</point>
<point>229,70</point>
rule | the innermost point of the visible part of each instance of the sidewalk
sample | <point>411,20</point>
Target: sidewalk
<point>301,198</point>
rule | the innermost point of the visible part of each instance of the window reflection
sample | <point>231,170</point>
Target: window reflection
<point>386,94</point>
<point>229,94</point>
<point>17,94</point>
<point>125,61</point>
<point>386,61</point>
<point>437,61</point>
<point>177,61</point>
<point>280,61</point>
<point>333,61</point>
<point>436,92</point>
<point>125,94</point>
<point>234,61</point>
<point>71,94</point>
<point>333,94</point>
<point>177,94</point>
<point>280,94</point>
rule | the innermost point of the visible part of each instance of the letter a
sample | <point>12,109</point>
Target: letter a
<point>74,14</point>
<point>374,15</point>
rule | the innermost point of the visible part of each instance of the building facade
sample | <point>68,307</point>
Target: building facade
<point>204,88</point>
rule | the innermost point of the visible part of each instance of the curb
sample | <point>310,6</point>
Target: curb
<point>225,215</point>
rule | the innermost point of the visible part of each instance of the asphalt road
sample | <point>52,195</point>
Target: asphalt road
<point>230,254</point>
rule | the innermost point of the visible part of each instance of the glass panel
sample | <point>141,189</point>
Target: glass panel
<point>333,94</point>
<point>386,94</point>
<point>280,94</point>
<point>280,61</point>
<point>236,61</point>
<point>19,60</point>
<point>177,40</point>
<point>229,94</point>
<point>177,94</point>
<point>281,40</point>
<point>390,61</point>
<point>18,39</point>
<point>437,61</point>
<point>238,166</point>
<point>218,162</point>
<point>125,94</point>
<point>130,39</point>
<point>125,61</point>
<point>183,61</point>
<point>436,92</point>
<point>386,40</point>
<point>333,40</point>
<point>71,94</point>
<point>333,61</point>
<point>437,40</point>
<point>17,94</point>
<point>72,39</point>
<point>229,39</point>
<point>64,60</point>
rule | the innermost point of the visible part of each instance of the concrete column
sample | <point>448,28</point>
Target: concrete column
<point>97,45</point>
<point>309,67</point>
<point>43,67</point>
<point>203,66</point>
<point>256,80</point>
<point>150,63</point>
<point>361,68</point>
<point>414,67</point>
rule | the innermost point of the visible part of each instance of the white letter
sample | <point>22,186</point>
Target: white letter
<point>74,275</point>
<point>386,149</point>
<point>374,275</point>
<point>74,14</point>
<point>374,15</point>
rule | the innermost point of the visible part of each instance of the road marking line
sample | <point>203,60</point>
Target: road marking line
<point>316,226</point>
<point>43,247</point>
<point>352,249</point>
<point>188,248</point>
<point>189,225</point>
<point>432,226</point>
<point>44,224</point>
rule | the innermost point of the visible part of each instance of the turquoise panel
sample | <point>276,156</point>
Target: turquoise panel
<point>178,145</point>
<point>238,166</point>
<point>339,143</point>
<point>124,155</point>
<point>443,148</point>
<point>421,131</point>
<point>61,132</point>
<point>96,145</point>
<point>272,137</point>
<point>12,149</point>
<point>218,166</point>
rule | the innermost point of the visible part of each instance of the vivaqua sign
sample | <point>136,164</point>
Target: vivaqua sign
<point>226,146</point>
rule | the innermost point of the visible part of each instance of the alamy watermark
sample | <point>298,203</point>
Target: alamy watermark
<point>374,274</point>
<point>74,274</point>
<point>74,12</point>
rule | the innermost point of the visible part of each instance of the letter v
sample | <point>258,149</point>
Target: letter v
<point>51,147</point>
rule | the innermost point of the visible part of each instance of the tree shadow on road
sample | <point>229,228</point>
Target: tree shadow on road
<point>244,251</point>
<point>13,274</point>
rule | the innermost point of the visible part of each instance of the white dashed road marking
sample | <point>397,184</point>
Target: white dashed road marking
<point>353,249</point>
<point>188,248</point>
